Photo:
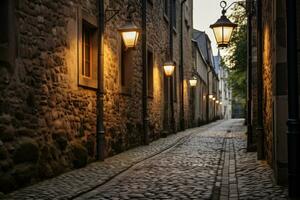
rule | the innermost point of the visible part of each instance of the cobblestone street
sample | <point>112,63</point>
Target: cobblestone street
<point>209,162</point>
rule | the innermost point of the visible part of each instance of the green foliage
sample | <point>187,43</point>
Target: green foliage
<point>236,58</point>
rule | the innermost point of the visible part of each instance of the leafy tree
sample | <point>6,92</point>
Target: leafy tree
<point>236,56</point>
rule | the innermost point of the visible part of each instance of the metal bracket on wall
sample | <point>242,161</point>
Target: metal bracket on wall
<point>108,16</point>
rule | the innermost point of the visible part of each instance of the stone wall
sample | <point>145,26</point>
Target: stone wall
<point>47,126</point>
<point>48,121</point>
<point>268,62</point>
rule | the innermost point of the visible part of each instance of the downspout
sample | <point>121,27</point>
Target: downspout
<point>172,78</point>
<point>100,143</point>
<point>259,129</point>
<point>182,126</point>
<point>207,97</point>
<point>145,78</point>
<point>293,134</point>
<point>249,69</point>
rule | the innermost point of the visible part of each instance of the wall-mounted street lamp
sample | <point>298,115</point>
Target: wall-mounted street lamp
<point>193,81</point>
<point>214,98</point>
<point>221,103</point>
<point>130,34</point>
<point>169,68</point>
<point>210,96</point>
<point>217,101</point>
<point>129,31</point>
<point>223,27</point>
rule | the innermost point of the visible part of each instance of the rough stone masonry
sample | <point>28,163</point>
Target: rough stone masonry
<point>47,120</point>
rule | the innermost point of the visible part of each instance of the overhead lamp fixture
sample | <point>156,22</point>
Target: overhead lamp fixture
<point>223,27</point>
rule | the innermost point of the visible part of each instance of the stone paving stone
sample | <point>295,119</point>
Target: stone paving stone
<point>75,182</point>
<point>209,162</point>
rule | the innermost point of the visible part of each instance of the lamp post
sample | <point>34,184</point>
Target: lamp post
<point>193,83</point>
<point>168,68</point>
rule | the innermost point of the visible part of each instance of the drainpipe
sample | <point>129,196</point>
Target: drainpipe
<point>207,97</point>
<point>145,78</point>
<point>293,133</point>
<point>100,89</point>
<point>172,78</point>
<point>249,65</point>
<point>182,126</point>
<point>259,129</point>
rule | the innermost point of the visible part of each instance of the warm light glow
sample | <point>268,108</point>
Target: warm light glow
<point>193,82</point>
<point>169,68</point>
<point>223,35</point>
<point>130,34</point>
<point>210,96</point>
<point>130,38</point>
<point>217,101</point>
<point>214,98</point>
<point>223,30</point>
<point>221,103</point>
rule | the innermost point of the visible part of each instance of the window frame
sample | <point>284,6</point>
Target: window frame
<point>90,23</point>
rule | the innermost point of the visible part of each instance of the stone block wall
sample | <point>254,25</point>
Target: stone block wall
<point>48,121</point>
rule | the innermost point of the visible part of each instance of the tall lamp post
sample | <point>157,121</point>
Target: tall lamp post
<point>169,68</point>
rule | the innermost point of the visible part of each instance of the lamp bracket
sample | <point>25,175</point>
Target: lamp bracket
<point>109,16</point>
<point>223,5</point>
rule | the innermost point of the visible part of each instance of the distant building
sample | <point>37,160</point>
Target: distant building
<point>224,90</point>
<point>205,67</point>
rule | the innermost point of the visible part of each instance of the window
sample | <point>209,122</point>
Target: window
<point>150,72</point>
<point>125,68</point>
<point>88,51</point>
<point>174,20</point>
<point>7,32</point>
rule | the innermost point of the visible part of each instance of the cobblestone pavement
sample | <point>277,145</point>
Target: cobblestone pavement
<point>209,162</point>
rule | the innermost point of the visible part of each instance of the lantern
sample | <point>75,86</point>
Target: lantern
<point>193,82</point>
<point>169,68</point>
<point>223,29</point>
<point>130,34</point>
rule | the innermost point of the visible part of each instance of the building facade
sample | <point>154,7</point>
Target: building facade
<point>272,44</point>
<point>57,77</point>
<point>224,90</point>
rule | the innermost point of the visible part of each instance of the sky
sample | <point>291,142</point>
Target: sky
<point>207,12</point>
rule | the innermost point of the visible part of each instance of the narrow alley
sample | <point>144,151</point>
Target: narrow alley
<point>209,162</point>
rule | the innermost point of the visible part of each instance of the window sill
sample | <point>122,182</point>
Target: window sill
<point>86,87</point>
